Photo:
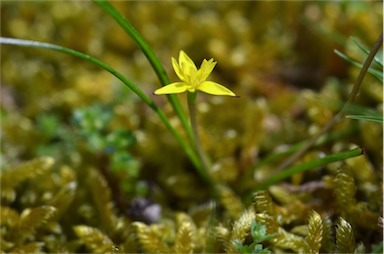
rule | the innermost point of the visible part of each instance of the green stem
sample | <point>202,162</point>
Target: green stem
<point>195,132</point>
<point>152,58</point>
<point>27,43</point>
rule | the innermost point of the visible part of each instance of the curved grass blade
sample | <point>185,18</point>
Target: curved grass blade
<point>189,151</point>
<point>351,98</point>
<point>377,74</point>
<point>355,109</point>
<point>308,166</point>
<point>378,119</point>
<point>274,157</point>
<point>366,51</point>
<point>152,58</point>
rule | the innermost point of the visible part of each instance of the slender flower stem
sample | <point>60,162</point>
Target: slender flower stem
<point>150,55</point>
<point>196,140</point>
<point>187,148</point>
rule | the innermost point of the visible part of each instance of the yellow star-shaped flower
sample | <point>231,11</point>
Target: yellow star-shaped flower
<point>193,79</point>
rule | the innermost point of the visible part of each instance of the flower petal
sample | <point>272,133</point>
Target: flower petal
<point>186,63</point>
<point>177,69</point>
<point>177,87</point>
<point>205,69</point>
<point>214,88</point>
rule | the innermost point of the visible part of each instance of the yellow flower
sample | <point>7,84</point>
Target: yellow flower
<point>193,79</point>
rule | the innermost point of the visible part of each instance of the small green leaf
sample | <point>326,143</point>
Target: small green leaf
<point>366,51</point>
<point>307,166</point>
<point>376,73</point>
<point>378,119</point>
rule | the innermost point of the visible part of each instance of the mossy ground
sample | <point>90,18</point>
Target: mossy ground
<point>84,160</point>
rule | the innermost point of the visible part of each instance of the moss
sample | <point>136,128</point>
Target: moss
<point>82,157</point>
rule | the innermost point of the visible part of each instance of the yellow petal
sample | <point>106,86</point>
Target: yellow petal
<point>214,88</point>
<point>186,63</point>
<point>205,69</point>
<point>177,87</point>
<point>177,69</point>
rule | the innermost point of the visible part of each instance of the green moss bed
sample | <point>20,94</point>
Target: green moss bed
<point>89,167</point>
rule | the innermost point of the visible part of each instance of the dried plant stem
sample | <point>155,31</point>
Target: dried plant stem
<point>195,132</point>
<point>338,116</point>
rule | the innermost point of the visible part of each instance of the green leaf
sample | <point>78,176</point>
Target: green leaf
<point>366,51</point>
<point>378,119</point>
<point>269,159</point>
<point>37,44</point>
<point>187,148</point>
<point>259,232</point>
<point>241,248</point>
<point>355,109</point>
<point>151,56</point>
<point>376,73</point>
<point>308,166</point>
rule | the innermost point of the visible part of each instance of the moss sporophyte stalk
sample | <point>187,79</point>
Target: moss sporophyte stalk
<point>193,79</point>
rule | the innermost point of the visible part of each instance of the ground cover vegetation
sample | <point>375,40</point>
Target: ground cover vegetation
<point>267,139</point>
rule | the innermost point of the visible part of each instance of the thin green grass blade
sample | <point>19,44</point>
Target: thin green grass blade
<point>355,109</point>
<point>152,58</point>
<point>274,179</point>
<point>189,151</point>
<point>378,119</point>
<point>37,44</point>
<point>294,148</point>
<point>377,74</point>
<point>366,51</point>
<point>272,158</point>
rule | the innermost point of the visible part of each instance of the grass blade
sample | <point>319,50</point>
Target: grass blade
<point>366,51</point>
<point>274,157</point>
<point>355,109</point>
<point>308,166</point>
<point>378,119</point>
<point>44,45</point>
<point>377,74</point>
<point>152,58</point>
<point>189,151</point>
